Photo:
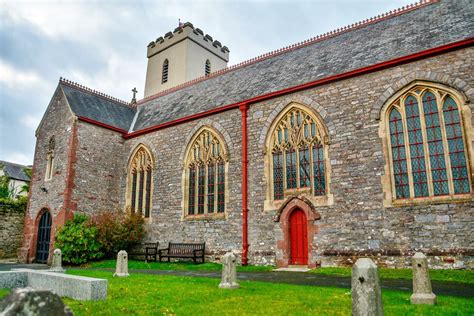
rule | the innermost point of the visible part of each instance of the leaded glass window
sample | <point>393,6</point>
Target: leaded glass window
<point>297,150</point>
<point>206,165</point>
<point>141,180</point>
<point>400,170</point>
<point>415,139</point>
<point>428,155</point>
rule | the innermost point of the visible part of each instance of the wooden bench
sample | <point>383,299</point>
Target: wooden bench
<point>183,250</point>
<point>146,249</point>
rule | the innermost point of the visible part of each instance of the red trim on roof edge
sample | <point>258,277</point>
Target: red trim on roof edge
<point>361,71</point>
<point>318,38</point>
<point>94,122</point>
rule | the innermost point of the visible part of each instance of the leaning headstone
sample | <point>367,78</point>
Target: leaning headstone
<point>422,292</point>
<point>56,265</point>
<point>28,301</point>
<point>121,269</point>
<point>229,272</point>
<point>366,294</point>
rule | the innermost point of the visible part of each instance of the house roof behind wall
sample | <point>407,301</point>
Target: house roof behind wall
<point>15,171</point>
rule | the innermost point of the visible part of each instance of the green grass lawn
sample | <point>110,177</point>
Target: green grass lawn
<point>208,266</point>
<point>462,276</point>
<point>4,292</point>
<point>143,294</point>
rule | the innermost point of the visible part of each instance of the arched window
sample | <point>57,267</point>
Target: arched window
<point>140,180</point>
<point>298,162</point>
<point>207,68</point>
<point>205,167</point>
<point>427,147</point>
<point>50,159</point>
<point>164,72</point>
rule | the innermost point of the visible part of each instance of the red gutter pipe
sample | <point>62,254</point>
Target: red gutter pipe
<point>245,245</point>
<point>357,72</point>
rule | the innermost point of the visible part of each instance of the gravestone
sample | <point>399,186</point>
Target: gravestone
<point>229,272</point>
<point>28,301</point>
<point>422,292</point>
<point>366,294</point>
<point>56,265</point>
<point>121,269</point>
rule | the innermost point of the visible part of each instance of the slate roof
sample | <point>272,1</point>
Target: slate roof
<point>421,29</point>
<point>15,171</point>
<point>98,107</point>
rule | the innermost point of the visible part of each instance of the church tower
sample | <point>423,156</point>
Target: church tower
<point>180,56</point>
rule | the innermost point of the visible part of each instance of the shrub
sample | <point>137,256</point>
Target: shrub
<point>117,231</point>
<point>78,241</point>
<point>18,205</point>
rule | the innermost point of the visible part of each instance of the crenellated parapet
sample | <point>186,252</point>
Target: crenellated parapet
<point>187,30</point>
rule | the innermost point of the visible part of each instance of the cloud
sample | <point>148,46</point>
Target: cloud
<point>15,79</point>
<point>80,20</point>
<point>30,121</point>
<point>18,158</point>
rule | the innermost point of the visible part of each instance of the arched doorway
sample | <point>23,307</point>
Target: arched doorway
<point>43,239</point>
<point>298,238</point>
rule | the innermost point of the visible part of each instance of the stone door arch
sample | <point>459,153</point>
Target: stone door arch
<point>284,246</point>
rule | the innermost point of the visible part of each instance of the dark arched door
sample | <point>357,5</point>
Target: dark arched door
<point>44,235</point>
<point>298,238</point>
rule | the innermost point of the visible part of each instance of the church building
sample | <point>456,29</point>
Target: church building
<point>357,142</point>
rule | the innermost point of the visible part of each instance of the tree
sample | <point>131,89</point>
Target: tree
<point>6,191</point>
<point>26,187</point>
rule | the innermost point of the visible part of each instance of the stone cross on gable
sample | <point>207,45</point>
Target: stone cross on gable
<point>134,98</point>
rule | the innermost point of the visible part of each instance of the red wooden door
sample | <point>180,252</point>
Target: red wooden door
<point>298,238</point>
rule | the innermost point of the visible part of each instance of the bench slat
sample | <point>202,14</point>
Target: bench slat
<point>183,250</point>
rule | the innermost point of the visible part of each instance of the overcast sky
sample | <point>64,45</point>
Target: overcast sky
<point>102,45</point>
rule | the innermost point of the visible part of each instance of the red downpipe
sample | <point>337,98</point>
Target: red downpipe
<point>245,245</point>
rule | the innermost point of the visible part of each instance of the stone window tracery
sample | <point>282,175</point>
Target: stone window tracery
<point>427,146</point>
<point>50,158</point>
<point>141,182</point>
<point>205,166</point>
<point>297,151</point>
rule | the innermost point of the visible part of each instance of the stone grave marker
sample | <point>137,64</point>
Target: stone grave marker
<point>422,292</point>
<point>366,294</point>
<point>121,269</point>
<point>229,272</point>
<point>56,265</point>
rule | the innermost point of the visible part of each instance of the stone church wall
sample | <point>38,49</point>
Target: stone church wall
<point>99,164</point>
<point>11,230</point>
<point>166,223</point>
<point>48,194</point>
<point>356,223</point>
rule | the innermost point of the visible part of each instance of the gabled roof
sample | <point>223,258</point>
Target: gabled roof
<point>15,171</point>
<point>90,104</point>
<point>431,25</point>
<point>422,27</point>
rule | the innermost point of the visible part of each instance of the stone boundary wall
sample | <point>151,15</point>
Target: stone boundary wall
<point>11,230</point>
